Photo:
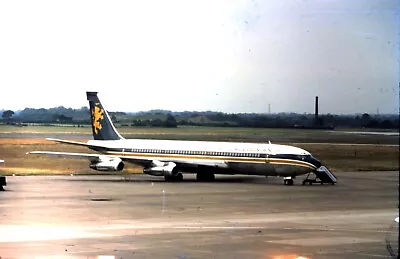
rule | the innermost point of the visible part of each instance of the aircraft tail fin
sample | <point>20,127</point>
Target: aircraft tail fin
<point>102,126</point>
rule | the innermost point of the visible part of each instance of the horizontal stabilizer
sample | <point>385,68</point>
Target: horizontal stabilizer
<point>77,143</point>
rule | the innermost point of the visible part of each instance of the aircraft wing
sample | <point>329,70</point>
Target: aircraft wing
<point>67,154</point>
<point>135,160</point>
<point>93,157</point>
<point>139,160</point>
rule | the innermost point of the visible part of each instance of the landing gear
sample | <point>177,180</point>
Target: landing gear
<point>288,181</point>
<point>205,177</point>
<point>179,177</point>
<point>174,178</point>
<point>309,181</point>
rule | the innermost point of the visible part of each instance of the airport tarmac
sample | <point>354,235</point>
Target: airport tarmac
<point>141,216</point>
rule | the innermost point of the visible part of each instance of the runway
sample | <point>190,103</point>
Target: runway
<point>140,216</point>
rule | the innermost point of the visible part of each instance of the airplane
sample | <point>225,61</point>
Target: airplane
<point>172,158</point>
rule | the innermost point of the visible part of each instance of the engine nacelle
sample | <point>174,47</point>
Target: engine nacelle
<point>159,168</point>
<point>107,164</point>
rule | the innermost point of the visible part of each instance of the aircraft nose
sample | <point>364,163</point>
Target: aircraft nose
<point>315,162</point>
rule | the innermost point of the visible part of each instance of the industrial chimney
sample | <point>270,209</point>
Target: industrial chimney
<point>316,111</point>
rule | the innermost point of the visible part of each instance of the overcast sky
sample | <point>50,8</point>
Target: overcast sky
<point>220,55</point>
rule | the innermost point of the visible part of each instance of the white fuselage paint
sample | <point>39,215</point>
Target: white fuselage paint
<point>243,158</point>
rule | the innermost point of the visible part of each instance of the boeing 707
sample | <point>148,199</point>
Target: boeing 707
<point>172,158</point>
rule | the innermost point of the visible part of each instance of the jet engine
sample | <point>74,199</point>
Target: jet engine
<point>158,168</point>
<point>107,164</point>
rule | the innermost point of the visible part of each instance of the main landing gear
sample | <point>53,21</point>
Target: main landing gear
<point>174,178</point>
<point>288,181</point>
<point>201,177</point>
<point>205,177</point>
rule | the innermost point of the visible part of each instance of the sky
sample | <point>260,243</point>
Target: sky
<point>219,55</point>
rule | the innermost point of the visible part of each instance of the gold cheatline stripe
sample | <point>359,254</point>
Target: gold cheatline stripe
<point>231,159</point>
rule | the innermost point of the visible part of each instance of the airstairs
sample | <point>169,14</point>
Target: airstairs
<point>322,175</point>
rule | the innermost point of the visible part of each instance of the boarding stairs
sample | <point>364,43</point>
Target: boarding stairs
<point>323,175</point>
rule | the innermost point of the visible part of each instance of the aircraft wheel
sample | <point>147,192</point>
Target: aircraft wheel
<point>288,182</point>
<point>201,177</point>
<point>179,177</point>
<point>205,177</point>
<point>174,178</point>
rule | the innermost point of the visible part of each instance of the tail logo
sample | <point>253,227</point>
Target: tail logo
<point>97,117</point>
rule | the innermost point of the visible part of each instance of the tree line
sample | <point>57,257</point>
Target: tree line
<point>162,118</point>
